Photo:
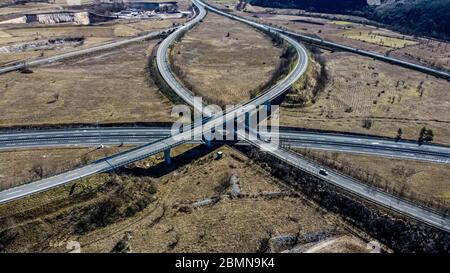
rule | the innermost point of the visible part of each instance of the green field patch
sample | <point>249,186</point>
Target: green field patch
<point>342,23</point>
<point>378,39</point>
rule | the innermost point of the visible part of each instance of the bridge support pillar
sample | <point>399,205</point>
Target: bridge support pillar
<point>247,120</point>
<point>167,158</point>
<point>208,142</point>
<point>268,107</point>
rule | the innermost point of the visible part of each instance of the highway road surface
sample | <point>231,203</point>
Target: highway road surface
<point>163,64</point>
<point>289,138</point>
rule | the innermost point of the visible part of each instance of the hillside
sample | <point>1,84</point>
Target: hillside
<point>417,17</point>
<point>420,17</point>
<point>314,5</point>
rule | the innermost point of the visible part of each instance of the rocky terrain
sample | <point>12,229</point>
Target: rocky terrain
<point>42,44</point>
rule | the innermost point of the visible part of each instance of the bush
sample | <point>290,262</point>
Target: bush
<point>25,70</point>
<point>367,123</point>
<point>426,135</point>
<point>127,198</point>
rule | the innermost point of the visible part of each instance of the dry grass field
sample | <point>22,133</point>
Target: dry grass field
<point>20,167</point>
<point>27,7</point>
<point>23,166</point>
<point>341,244</point>
<point>361,89</point>
<point>18,56</point>
<point>425,182</point>
<point>231,4</point>
<point>166,221</point>
<point>374,37</point>
<point>225,69</point>
<point>433,53</point>
<point>108,87</point>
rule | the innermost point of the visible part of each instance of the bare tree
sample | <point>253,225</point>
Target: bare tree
<point>38,170</point>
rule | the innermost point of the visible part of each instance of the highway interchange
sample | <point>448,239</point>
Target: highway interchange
<point>319,141</point>
<point>150,149</point>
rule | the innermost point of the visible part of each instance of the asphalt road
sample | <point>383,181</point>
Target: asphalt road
<point>89,137</point>
<point>163,64</point>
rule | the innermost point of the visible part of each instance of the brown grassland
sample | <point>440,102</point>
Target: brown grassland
<point>109,87</point>
<point>224,60</point>
<point>22,166</point>
<point>155,211</point>
<point>360,89</point>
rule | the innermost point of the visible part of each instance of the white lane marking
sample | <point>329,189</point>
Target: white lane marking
<point>13,192</point>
